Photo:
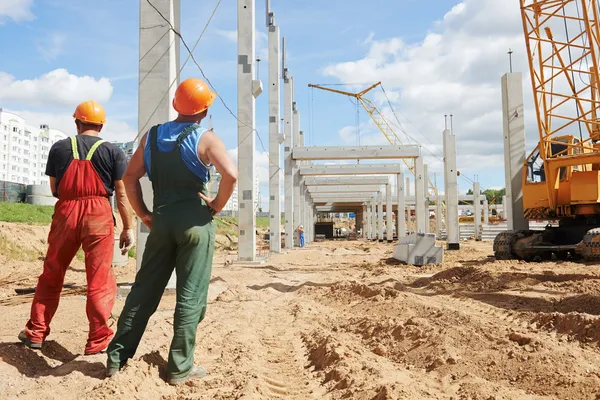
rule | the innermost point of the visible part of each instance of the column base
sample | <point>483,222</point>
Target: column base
<point>390,241</point>
<point>380,240</point>
<point>453,246</point>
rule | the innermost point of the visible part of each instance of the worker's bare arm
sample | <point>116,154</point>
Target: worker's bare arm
<point>53,186</point>
<point>123,205</point>
<point>212,149</point>
<point>131,179</point>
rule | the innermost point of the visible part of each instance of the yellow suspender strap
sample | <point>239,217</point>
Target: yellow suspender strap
<point>74,147</point>
<point>93,149</point>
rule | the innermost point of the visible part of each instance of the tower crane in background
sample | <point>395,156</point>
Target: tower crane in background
<point>561,177</point>
<point>382,123</point>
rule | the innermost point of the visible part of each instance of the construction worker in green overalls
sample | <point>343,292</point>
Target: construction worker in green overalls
<point>176,156</point>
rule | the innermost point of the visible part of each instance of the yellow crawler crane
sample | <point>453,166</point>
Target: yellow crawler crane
<point>561,177</point>
<point>382,123</point>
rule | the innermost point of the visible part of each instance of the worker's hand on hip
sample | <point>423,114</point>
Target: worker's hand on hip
<point>126,240</point>
<point>147,220</point>
<point>209,203</point>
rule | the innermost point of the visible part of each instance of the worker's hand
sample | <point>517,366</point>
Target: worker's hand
<point>126,240</point>
<point>147,220</point>
<point>209,203</point>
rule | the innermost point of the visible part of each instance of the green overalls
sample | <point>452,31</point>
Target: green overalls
<point>182,238</point>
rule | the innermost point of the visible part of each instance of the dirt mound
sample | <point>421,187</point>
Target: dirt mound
<point>353,289</point>
<point>580,327</point>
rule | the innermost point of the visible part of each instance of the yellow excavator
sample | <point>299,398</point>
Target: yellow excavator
<point>561,177</point>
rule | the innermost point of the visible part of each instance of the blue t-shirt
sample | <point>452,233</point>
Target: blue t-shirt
<point>167,139</point>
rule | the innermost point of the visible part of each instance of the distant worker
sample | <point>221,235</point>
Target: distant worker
<point>301,235</point>
<point>84,171</point>
<point>176,156</point>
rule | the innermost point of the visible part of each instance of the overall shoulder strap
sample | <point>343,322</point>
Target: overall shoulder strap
<point>185,133</point>
<point>74,148</point>
<point>153,138</point>
<point>93,149</point>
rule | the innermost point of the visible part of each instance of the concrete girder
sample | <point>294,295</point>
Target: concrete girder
<point>356,152</point>
<point>354,169</point>
<point>345,180</point>
<point>343,189</point>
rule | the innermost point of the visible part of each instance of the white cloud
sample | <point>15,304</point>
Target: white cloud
<point>17,10</point>
<point>57,88</point>
<point>52,46</point>
<point>113,130</point>
<point>455,69</point>
<point>261,42</point>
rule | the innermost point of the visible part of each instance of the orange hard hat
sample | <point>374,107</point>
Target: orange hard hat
<point>90,112</point>
<point>192,97</point>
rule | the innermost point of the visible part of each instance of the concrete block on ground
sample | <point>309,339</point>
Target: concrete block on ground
<point>418,249</point>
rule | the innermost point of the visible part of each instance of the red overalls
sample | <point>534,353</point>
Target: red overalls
<point>82,217</point>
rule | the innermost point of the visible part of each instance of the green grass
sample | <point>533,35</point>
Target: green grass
<point>17,252</point>
<point>26,213</point>
<point>227,226</point>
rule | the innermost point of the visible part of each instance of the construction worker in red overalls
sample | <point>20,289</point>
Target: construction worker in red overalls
<point>84,170</point>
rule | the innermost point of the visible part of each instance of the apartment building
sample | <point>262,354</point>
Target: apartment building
<point>24,149</point>
<point>232,204</point>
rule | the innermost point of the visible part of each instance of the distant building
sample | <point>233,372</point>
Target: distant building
<point>24,149</point>
<point>127,147</point>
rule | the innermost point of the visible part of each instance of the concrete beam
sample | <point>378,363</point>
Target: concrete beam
<point>343,189</point>
<point>354,169</point>
<point>345,180</point>
<point>356,153</point>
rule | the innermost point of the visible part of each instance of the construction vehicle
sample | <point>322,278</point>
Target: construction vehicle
<point>561,176</point>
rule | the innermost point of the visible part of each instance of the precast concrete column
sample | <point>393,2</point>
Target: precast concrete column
<point>288,124</point>
<point>504,206</point>
<point>364,222</point>
<point>407,187</point>
<point>421,214</point>
<point>297,177</point>
<point>486,212</point>
<point>514,148</point>
<point>380,216</point>
<point>401,215</point>
<point>477,212</point>
<point>451,191</point>
<point>373,220</point>
<point>248,90</point>
<point>426,191</point>
<point>160,67</point>
<point>389,213</point>
<point>368,225</point>
<point>438,216</point>
<point>275,137</point>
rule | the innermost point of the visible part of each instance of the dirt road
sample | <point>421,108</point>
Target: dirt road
<point>341,320</point>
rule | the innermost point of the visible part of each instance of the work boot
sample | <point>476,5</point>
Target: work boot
<point>103,351</point>
<point>195,373</point>
<point>25,339</point>
<point>111,371</point>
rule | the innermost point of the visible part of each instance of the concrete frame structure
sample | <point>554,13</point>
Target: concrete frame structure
<point>275,136</point>
<point>343,189</point>
<point>159,69</point>
<point>451,191</point>
<point>248,89</point>
<point>353,169</point>
<point>401,213</point>
<point>514,149</point>
<point>356,152</point>
<point>345,180</point>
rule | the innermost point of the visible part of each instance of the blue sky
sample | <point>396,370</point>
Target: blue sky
<point>434,57</point>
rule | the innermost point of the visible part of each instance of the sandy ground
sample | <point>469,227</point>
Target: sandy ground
<point>341,320</point>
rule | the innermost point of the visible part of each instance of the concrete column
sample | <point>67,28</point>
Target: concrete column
<point>297,177</point>
<point>514,148</point>
<point>288,124</point>
<point>380,216</point>
<point>302,204</point>
<point>160,68</point>
<point>274,138</point>
<point>438,217</point>
<point>389,213</point>
<point>426,191</point>
<point>451,191</point>
<point>364,222</point>
<point>369,226</point>
<point>373,220</point>
<point>400,216</point>
<point>248,90</point>
<point>477,211</point>
<point>486,212</point>
<point>407,187</point>
<point>505,206</point>
<point>421,213</point>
